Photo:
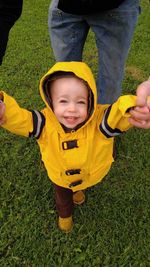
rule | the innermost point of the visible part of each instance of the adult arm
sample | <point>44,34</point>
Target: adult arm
<point>140,116</point>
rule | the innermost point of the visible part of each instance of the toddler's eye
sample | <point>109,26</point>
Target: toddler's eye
<point>63,101</point>
<point>82,102</point>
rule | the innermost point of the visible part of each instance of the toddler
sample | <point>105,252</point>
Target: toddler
<point>75,135</point>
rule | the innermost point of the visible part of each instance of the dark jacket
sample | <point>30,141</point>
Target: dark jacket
<point>83,7</point>
<point>10,11</point>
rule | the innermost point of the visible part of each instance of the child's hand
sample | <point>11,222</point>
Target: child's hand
<point>140,116</point>
<point>2,112</point>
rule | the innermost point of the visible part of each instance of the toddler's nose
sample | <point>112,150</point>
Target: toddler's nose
<point>72,107</point>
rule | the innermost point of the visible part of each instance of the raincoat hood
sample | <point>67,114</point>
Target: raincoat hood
<point>79,69</point>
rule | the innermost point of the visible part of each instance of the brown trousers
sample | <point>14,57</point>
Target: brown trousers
<point>64,201</point>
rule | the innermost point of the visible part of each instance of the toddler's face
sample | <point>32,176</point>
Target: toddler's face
<point>70,101</point>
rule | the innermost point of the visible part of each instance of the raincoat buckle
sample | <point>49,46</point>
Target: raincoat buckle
<point>73,171</point>
<point>75,183</point>
<point>69,144</point>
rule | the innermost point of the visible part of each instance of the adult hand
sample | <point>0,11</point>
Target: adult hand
<point>140,116</point>
<point>143,91</point>
<point>2,113</point>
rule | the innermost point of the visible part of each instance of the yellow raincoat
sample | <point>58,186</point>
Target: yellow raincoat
<point>78,159</point>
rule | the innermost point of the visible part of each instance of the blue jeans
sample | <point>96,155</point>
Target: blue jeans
<point>113,33</point>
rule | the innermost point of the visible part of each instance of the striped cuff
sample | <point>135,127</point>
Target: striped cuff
<point>38,123</point>
<point>105,128</point>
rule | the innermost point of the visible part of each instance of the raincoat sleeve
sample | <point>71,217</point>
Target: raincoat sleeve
<point>115,119</point>
<point>20,121</point>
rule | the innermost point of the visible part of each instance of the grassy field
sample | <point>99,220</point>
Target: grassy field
<point>112,227</point>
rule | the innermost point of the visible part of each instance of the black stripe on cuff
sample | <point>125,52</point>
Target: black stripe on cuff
<point>38,123</point>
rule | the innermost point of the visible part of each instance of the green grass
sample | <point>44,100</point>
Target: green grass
<point>112,228</point>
